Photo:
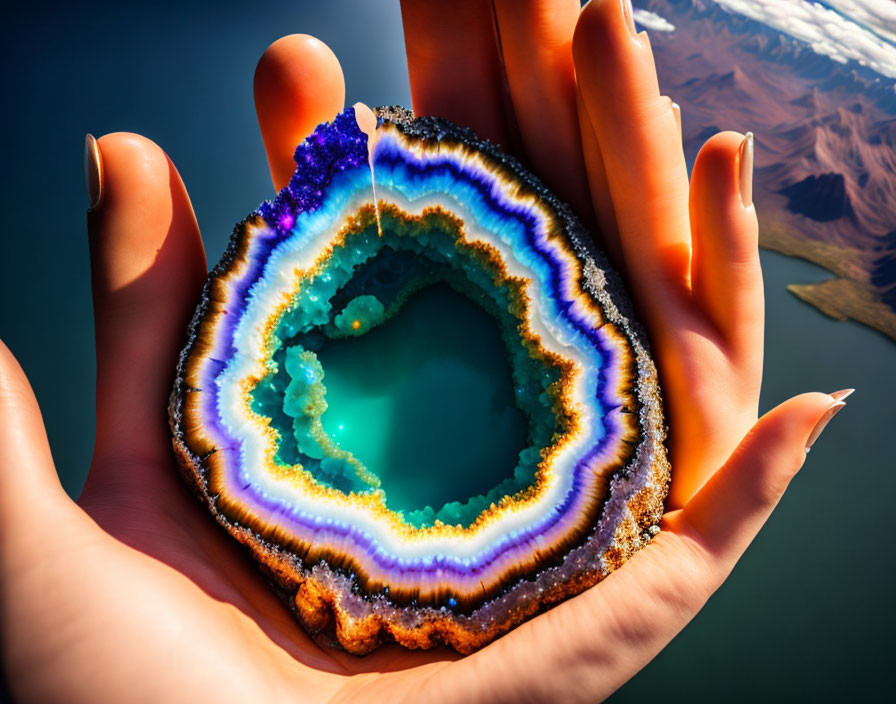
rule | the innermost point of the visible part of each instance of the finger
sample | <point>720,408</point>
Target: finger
<point>298,85</point>
<point>725,271</point>
<point>598,188</point>
<point>536,45</point>
<point>729,510</point>
<point>605,635</point>
<point>29,485</point>
<point>641,150</point>
<point>36,518</point>
<point>454,65</point>
<point>148,267</point>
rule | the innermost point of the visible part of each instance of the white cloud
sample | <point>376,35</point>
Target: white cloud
<point>827,31</point>
<point>653,21</point>
<point>877,15</point>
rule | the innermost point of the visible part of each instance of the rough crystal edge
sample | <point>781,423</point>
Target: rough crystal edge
<point>327,603</point>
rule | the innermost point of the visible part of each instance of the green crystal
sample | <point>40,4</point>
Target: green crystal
<point>400,368</point>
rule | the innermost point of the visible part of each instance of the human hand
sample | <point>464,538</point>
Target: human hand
<point>137,594</point>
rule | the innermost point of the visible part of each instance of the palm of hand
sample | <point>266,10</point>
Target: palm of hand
<point>152,591</point>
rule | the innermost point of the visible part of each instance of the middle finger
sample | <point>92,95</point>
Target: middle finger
<point>454,65</point>
<point>536,44</point>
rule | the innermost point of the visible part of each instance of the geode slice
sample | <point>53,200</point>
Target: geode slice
<point>367,226</point>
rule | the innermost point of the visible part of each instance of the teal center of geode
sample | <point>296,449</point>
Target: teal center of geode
<point>400,367</point>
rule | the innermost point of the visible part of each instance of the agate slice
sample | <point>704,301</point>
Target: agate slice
<point>316,444</point>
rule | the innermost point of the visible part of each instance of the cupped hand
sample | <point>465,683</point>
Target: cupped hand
<point>135,594</point>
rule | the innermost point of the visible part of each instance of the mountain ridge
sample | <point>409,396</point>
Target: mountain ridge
<point>825,164</point>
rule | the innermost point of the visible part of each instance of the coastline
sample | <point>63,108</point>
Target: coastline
<point>849,295</point>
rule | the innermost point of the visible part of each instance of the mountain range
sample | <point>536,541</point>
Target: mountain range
<point>825,134</point>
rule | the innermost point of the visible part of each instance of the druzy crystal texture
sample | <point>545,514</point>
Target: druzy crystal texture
<point>311,440</point>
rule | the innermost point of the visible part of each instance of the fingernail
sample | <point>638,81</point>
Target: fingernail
<point>676,112</point>
<point>366,120</point>
<point>746,170</point>
<point>822,423</point>
<point>93,171</point>
<point>629,17</point>
<point>842,395</point>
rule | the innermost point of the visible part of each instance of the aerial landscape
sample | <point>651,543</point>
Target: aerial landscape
<point>816,84</point>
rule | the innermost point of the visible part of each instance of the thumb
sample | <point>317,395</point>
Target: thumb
<point>29,487</point>
<point>733,505</point>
